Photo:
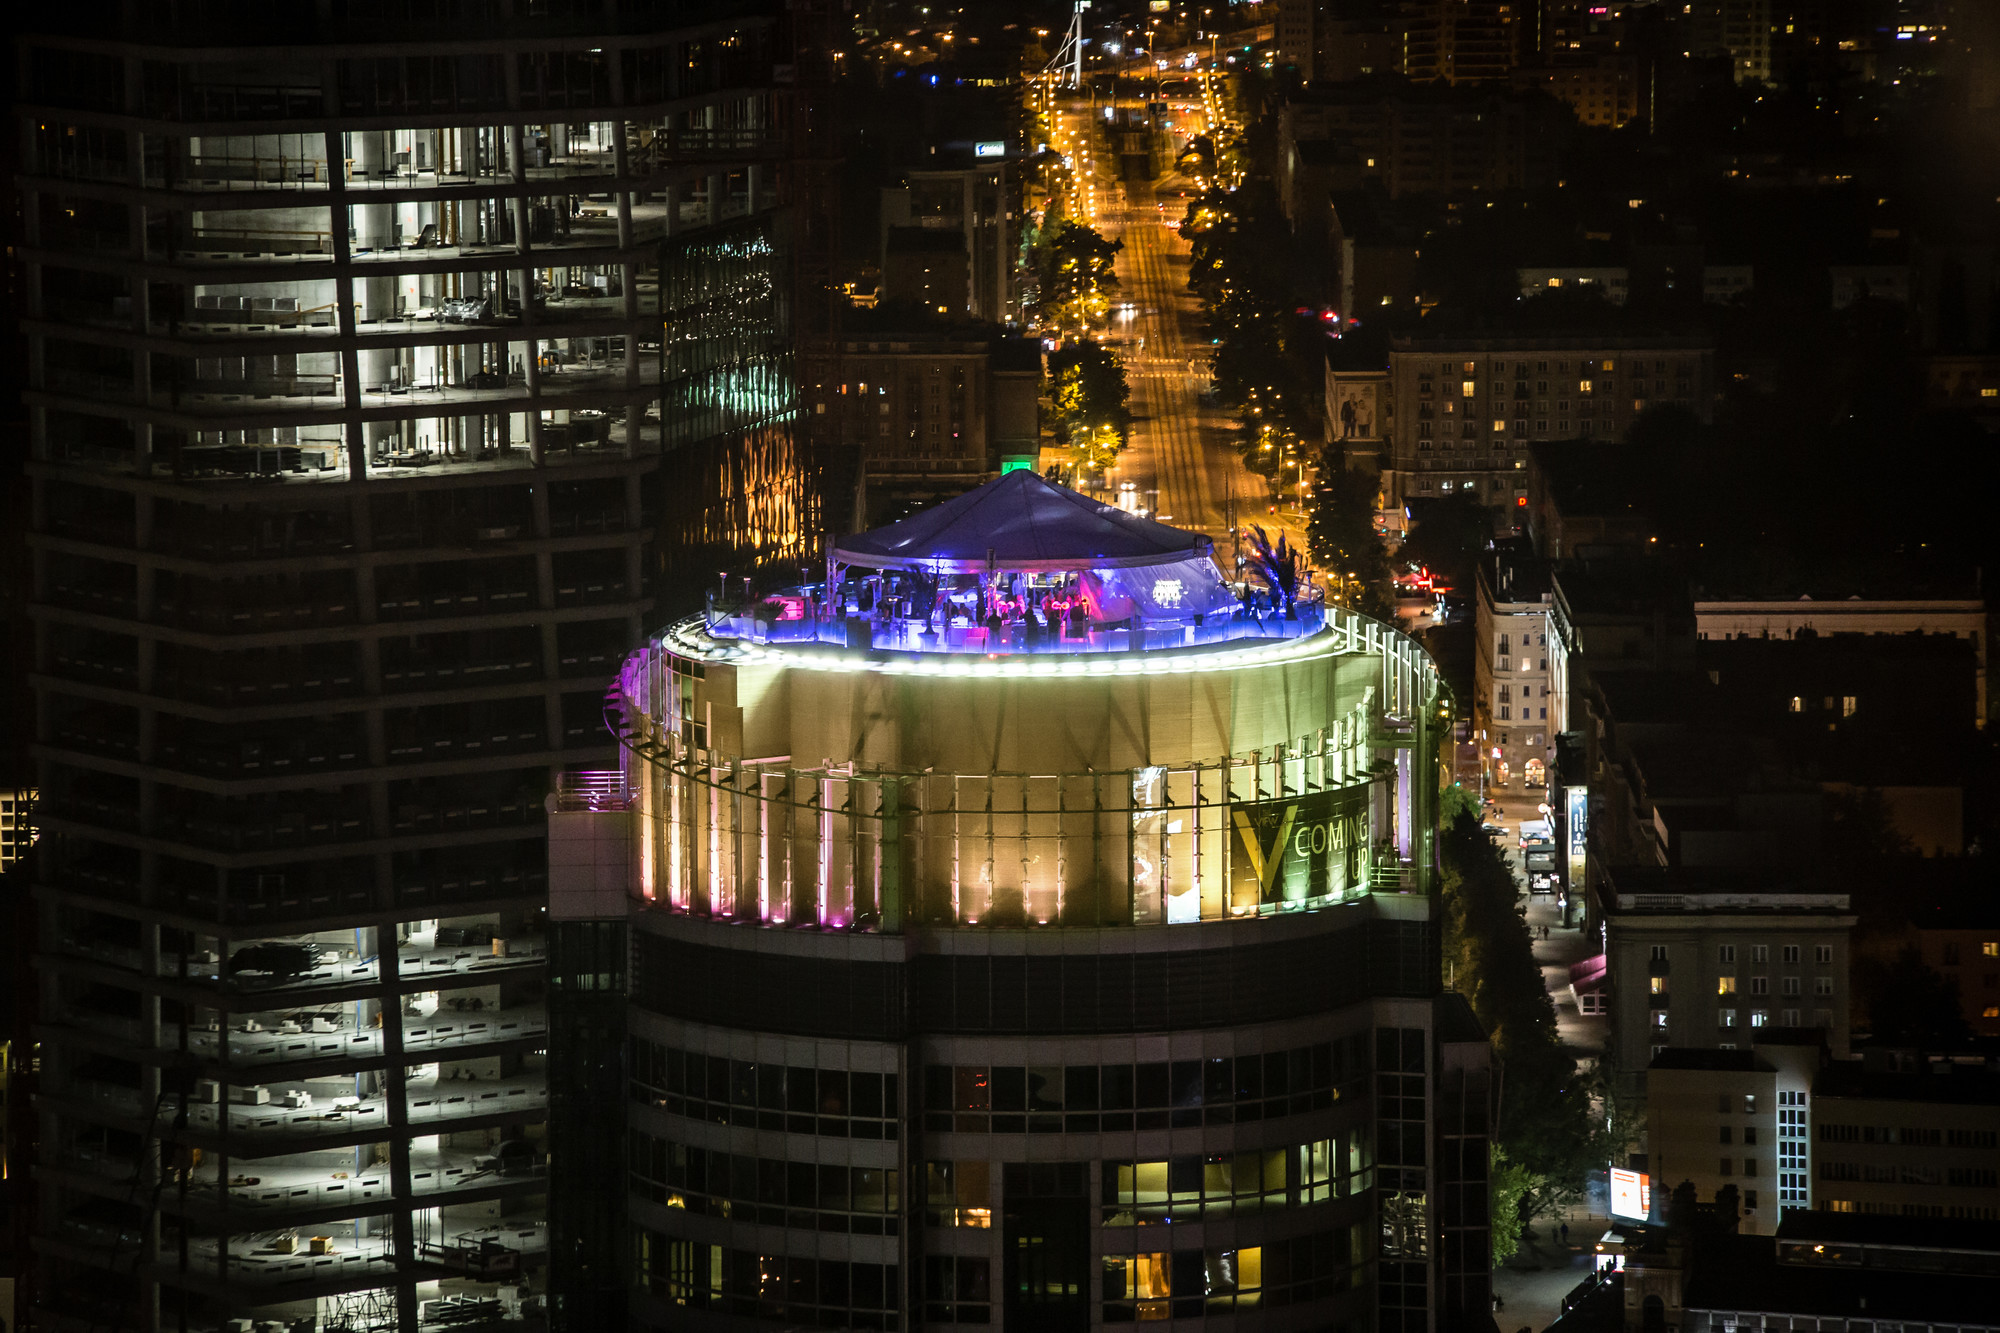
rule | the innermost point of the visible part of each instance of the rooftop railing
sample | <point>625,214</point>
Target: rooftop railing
<point>790,619</point>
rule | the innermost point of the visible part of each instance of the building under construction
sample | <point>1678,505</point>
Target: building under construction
<point>381,354</point>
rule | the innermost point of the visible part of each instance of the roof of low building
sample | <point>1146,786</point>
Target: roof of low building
<point>1716,1061</point>
<point>1743,1274</point>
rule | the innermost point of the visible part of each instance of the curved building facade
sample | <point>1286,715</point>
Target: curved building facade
<point>1061,978</point>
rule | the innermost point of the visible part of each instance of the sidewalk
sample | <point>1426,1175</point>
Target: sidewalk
<point>1584,1034</point>
<point>1532,1284</point>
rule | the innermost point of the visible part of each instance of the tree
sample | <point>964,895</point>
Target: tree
<point>1341,538</point>
<point>1912,1004</point>
<point>1449,536</point>
<point>1089,392</point>
<point>1509,1184</point>
<point>1074,268</point>
<point>1546,1126</point>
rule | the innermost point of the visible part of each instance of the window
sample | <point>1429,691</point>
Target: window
<point>1822,953</point>
<point>1750,1138</point>
<point>1725,985</point>
<point>1728,1166</point>
<point>1791,953</point>
<point>958,1290</point>
<point>1660,1021</point>
<point>1750,1196</point>
<point>1760,985</point>
<point>1660,952</point>
<point>1822,985</point>
<point>1791,1018</point>
<point>1726,1135</point>
<point>1991,948</point>
<point>1760,953</point>
<point>1725,1018</point>
<point>959,1194</point>
<point>1728,953</point>
<point>1724,1103</point>
<point>1659,985</point>
<point>1749,1166</point>
<point>1847,703</point>
<point>1792,986</point>
<point>1760,1018</point>
<point>1749,1103</point>
<point>1798,705</point>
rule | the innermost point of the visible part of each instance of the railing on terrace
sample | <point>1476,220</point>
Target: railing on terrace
<point>733,620</point>
<point>593,791</point>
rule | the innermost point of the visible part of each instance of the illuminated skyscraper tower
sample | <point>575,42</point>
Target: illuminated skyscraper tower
<point>1027,932</point>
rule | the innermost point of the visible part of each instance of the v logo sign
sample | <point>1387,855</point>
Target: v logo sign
<point>1265,860</point>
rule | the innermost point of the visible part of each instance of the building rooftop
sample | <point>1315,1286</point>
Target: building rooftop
<point>1744,1273</point>
<point>1941,1081</point>
<point>1722,1062</point>
<point>1965,1235</point>
<point>1022,566</point>
<point>1022,523</point>
<point>1642,889</point>
<point>1621,587</point>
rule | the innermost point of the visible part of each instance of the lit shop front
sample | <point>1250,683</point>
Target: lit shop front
<point>961,872</point>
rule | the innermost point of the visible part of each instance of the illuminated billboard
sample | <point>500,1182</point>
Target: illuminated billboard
<point>1631,1194</point>
<point>989,148</point>
<point>1311,846</point>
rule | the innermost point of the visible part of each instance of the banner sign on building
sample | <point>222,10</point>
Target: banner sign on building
<point>1576,830</point>
<point>1299,848</point>
<point>1631,1194</point>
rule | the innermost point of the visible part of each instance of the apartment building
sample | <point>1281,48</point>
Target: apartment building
<point>1464,411</point>
<point>1831,611</point>
<point>1736,1117</point>
<point>1708,957</point>
<point>960,218</point>
<point>1918,1140</point>
<point>17,824</point>
<point>347,379</point>
<point>1513,716</point>
<point>1410,140</point>
<point>1739,31</point>
<point>931,412</point>
<point>1961,941</point>
<point>1460,41</point>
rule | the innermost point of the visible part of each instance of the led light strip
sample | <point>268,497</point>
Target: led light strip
<point>688,640</point>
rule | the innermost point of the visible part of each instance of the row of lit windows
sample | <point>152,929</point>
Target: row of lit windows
<point>1185,1284</point>
<point>1589,366</point>
<point>1232,1184</point>
<point>1759,1018</point>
